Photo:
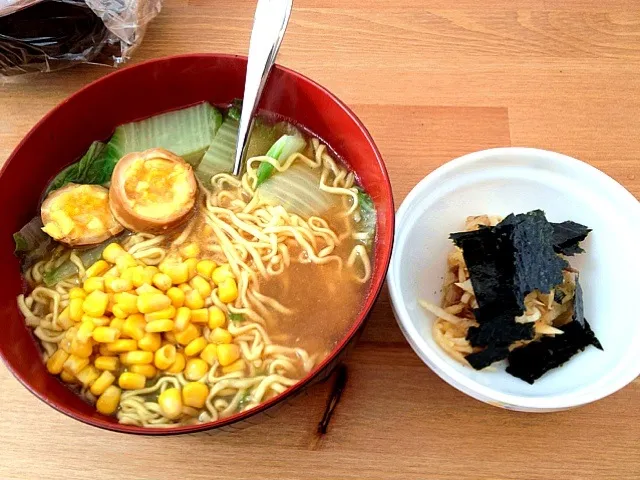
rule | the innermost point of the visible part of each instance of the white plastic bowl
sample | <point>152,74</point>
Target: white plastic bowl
<point>505,180</point>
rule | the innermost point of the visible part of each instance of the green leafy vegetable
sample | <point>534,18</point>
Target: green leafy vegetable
<point>284,147</point>
<point>94,168</point>
<point>30,236</point>
<point>367,219</point>
<point>187,132</point>
<point>236,317</point>
<point>219,156</point>
<point>245,399</point>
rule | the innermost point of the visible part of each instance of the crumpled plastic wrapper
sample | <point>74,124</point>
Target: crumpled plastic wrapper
<point>47,35</point>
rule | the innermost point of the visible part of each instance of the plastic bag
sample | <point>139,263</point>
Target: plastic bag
<point>47,35</point>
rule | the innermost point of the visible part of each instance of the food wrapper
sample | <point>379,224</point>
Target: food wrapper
<point>47,35</point>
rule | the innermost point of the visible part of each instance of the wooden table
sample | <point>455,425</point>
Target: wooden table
<point>432,79</point>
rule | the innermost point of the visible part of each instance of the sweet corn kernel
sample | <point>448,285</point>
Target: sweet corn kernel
<point>123,345</point>
<point>128,273</point>
<point>221,273</point>
<point>190,250</point>
<point>192,264</point>
<point>119,312</point>
<point>67,377</point>
<point>108,402</point>
<point>97,321</point>
<point>63,319</point>
<point>119,285</point>
<point>205,268</point>
<point>210,354</point>
<point>182,318</point>
<point>193,300</point>
<point>170,337</point>
<point>138,276</point>
<point>228,290</point>
<point>71,333</point>
<point>200,316</point>
<point>220,335</point>
<point>75,309</point>
<point>195,369</point>
<point>103,349</point>
<point>148,370</point>
<point>65,344</point>
<point>237,366</point>
<point>110,302</point>
<point>150,342</point>
<point>195,347</point>
<point>107,363</point>
<point>201,285</point>
<point>185,287</point>
<point>194,394</point>
<point>112,252</point>
<point>77,292</point>
<point>165,313</point>
<point>137,357</point>
<point>188,334</point>
<point>216,317</point>
<point>108,282</point>
<point>74,364</point>
<point>170,402</point>
<point>96,303</point>
<point>157,326</point>
<point>97,269</point>
<point>104,381</point>
<point>179,364</point>
<point>177,297</point>
<point>162,281</point>
<point>152,302</point>
<point>125,261</point>
<point>134,326</point>
<point>147,288</point>
<point>127,301</point>
<point>56,361</point>
<point>92,284</point>
<point>80,348</point>
<point>118,324</point>
<point>131,381</point>
<point>165,357</point>
<point>85,330</point>
<point>178,272</point>
<point>228,353</point>
<point>88,375</point>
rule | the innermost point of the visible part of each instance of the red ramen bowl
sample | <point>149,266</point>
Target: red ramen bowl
<point>137,92</point>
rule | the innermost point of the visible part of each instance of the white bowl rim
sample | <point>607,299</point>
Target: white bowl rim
<point>436,362</point>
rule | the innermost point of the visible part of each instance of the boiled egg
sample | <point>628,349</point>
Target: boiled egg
<point>152,191</point>
<point>79,215</point>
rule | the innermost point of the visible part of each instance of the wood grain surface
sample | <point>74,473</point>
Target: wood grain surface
<point>432,79</point>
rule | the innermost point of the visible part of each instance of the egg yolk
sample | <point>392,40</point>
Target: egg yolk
<point>79,211</point>
<point>153,186</point>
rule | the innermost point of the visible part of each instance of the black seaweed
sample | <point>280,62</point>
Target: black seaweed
<point>578,316</point>
<point>508,261</point>
<point>501,332</point>
<point>486,357</point>
<point>567,237</point>
<point>533,360</point>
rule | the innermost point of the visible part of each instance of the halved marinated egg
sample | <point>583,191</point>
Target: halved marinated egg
<point>152,191</point>
<point>79,215</point>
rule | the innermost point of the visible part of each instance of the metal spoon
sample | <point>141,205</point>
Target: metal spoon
<point>269,25</point>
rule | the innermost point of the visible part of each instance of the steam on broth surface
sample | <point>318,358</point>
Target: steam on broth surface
<point>215,298</point>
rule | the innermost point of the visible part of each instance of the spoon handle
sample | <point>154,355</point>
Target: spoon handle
<point>269,25</point>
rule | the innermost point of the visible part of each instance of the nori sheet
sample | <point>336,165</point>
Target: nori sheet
<point>533,360</point>
<point>500,332</point>
<point>486,357</point>
<point>567,237</point>
<point>578,316</point>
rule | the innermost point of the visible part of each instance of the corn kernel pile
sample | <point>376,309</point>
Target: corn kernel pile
<point>131,322</point>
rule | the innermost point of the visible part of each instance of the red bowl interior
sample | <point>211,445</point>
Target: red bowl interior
<point>138,92</point>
